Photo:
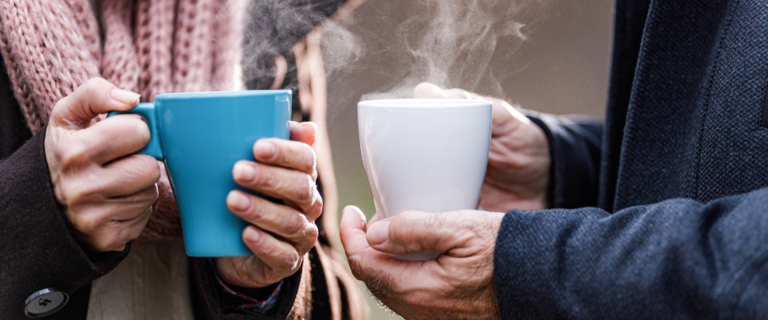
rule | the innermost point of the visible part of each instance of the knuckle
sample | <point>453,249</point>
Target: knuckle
<point>86,224</point>
<point>147,197</point>
<point>310,160</point>
<point>258,210</point>
<point>266,178</point>
<point>306,190</point>
<point>100,245</point>
<point>432,222</point>
<point>297,226</point>
<point>74,153</point>
<point>263,246</point>
<point>114,244</point>
<point>311,236</point>
<point>94,85</point>
<point>82,191</point>
<point>316,210</point>
<point>132,233</point>
<point>290,261</point>
<point>147,167</point>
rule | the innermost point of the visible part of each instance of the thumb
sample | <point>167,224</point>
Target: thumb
<point>352,231</point>
<point>413,231</point>
<point>94,97</point>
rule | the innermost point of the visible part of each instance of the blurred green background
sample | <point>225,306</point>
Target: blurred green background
<point>561,67</point>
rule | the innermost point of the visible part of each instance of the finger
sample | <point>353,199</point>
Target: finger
<point>426,90</point>
<point>289,185</point>
<point>377,269</point>
<point>413,231</point>
<point>281,220</point>
<point>459,94</point>
<point>107,226</point>
<point>112,138</point>
<point>89,100</point>
<point>128,175</point>
<point>115,236</point>
<point>284,259</point>
<point>304,132</point>
<point>132,207</point>
<point>287,154</point>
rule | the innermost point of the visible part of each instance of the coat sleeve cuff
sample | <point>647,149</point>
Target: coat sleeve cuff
<point>575,152</point>
<point>245,298</point>
<point>39,250</point>
<point>215,302</point>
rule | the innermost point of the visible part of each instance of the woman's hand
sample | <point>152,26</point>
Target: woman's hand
<point>517,176</point>
<point>281,233</point>
<point>106,190</point>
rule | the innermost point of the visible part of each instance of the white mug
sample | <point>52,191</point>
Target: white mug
<point>424,154</point>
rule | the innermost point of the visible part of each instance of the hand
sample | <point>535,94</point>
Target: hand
<point>281,233</point>
<point>458,285</point>
<point>517,176</point>
<point>107,191</point>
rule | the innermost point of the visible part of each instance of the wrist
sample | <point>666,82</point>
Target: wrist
<point>261,299</point>
<point>497,199</point>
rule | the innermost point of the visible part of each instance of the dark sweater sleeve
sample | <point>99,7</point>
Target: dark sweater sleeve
<point>677,259</point>
<point>37,250</point>
<point>212,304</point>
<point>575,144</point>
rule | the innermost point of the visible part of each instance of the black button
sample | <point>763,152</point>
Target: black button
<point>45,303</point>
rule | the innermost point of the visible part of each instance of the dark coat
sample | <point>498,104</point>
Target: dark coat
<point>671,197</point>
<point>38,251</point>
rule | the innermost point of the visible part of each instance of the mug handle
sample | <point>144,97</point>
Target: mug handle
<point>147,111</point>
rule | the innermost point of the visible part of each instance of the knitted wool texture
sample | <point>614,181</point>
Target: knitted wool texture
<point>51,47</point>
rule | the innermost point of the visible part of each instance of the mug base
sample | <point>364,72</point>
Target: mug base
<point>217,254</point>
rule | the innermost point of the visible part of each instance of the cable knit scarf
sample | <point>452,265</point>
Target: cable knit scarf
<point>51,47</point>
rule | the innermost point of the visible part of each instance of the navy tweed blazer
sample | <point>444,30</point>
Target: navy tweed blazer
<point>662,211</point>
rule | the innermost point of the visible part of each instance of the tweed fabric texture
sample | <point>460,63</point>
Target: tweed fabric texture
<point>683,219</point>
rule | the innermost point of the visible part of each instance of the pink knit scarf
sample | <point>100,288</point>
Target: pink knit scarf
<point>50,47</point>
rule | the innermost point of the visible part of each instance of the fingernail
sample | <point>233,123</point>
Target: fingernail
<point>125,96</point>
<point>244,172</point>
<point>309,124</point>
<point>265,149</point>
<point>378,233</point>
<point>251,235</point>
<point>238,201</point>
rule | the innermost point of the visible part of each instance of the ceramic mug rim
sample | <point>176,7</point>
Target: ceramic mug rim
<point>424,103</point>
<point>220,94</point>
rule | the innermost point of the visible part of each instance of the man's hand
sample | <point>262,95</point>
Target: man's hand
<point>107,191</point>
<point>517,176</point>
<point>457,285</point>
<point>281,233</point>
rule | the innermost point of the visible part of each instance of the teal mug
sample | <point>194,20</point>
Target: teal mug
<point>200,136</point>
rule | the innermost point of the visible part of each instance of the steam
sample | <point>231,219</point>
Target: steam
<point>452,43</point>
<point>341,48</point>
